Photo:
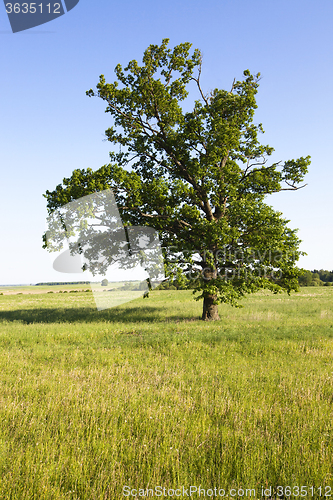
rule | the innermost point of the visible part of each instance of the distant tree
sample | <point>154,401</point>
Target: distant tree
<point>305,279</point>
<point>316,278</point>
<point>316,282</point>
<point>104,282</point>
<point>325,275</point>
<point>198,177</point>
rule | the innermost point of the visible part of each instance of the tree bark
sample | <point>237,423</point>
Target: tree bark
<point>210,310</point>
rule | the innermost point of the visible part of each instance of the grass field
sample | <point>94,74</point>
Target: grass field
<point>146,394</point>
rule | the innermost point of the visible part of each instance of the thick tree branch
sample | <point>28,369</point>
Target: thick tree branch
<point>292,187</point>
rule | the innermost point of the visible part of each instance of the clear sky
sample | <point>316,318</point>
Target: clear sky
<point>49,127</point>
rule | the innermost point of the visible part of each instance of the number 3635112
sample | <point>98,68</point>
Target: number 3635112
<point>32,8</point>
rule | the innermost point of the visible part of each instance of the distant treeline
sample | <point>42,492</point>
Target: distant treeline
<point>53,283</point>
<point>316,278</point>
<point>309,278</point>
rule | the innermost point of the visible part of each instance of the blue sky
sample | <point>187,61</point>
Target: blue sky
<point>49,126</point>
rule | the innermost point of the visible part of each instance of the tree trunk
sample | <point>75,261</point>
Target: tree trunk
<point>210,311</point>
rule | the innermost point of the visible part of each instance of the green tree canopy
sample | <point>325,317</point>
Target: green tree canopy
<point>199,177</point>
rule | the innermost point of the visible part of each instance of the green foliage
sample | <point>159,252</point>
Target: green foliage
<point>104,282</point>
<point>324,275</point>
<point>316,278</point>
<point>133,286</point>
<point>305,279</point>
<point>198,177</point>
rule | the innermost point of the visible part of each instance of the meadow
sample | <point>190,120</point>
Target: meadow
<point>146,394</point>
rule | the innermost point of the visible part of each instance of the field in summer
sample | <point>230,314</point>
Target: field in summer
<point>145,394</point>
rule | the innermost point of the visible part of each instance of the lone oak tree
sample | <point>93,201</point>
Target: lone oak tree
<point>198,177</point>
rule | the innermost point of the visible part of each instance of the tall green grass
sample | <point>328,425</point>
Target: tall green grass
<point>146,394</point>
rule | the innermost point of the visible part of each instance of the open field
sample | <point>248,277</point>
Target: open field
<point>33,289</point>
<point>146,394</point>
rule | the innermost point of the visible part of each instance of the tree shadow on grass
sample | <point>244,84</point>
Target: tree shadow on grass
<point>150,314</point>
